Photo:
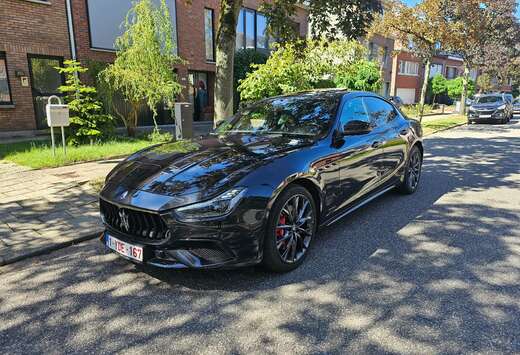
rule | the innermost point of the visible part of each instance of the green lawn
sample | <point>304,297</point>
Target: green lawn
<point>39,154</point>
<point>439,124</point>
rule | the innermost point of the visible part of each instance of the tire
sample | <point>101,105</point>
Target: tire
<point>286,248</point>
<point>412,173</point>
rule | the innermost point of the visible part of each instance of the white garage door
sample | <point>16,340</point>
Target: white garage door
<point>407,95</point>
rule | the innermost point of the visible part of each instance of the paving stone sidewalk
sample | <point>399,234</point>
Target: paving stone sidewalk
<point>42,210</point>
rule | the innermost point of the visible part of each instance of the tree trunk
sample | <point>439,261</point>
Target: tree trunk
<point>465,80</point>
<point>424,88</point>
<point>225,54</point>
<point>131,123</point>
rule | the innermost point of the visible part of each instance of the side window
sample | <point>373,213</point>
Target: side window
<point>354,110</point>
<point>380,111</point>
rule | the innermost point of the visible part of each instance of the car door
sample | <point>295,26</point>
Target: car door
<point>393,130</point>
<point>359,155</point>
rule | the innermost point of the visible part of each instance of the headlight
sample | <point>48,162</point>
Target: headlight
<point>471,109</point>
<point>217,207</point>
<point>503,107</point>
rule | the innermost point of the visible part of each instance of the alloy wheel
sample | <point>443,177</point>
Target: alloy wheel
<point>295,228</point>
<point>414,169</point>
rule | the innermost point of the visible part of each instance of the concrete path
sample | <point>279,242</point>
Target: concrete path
<point>41,210</point>
<point>437,272</point>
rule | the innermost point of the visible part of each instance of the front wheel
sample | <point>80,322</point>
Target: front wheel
<point>412,172</point>
<point>291,229</point>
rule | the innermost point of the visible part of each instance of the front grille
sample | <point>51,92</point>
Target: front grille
<point>212,255</point>
<point>134,223</point>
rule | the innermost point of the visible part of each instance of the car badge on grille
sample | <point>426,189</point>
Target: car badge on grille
<point>125,223</point>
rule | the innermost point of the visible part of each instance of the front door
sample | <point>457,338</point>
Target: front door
<point>199,95</point>
<point>45,81</point>
<point>361,155</point>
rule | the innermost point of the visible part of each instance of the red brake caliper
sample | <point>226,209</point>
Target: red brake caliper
<point>279,231</point>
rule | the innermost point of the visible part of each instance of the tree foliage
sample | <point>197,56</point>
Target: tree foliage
<point>88,122</point>
<point>484,33</point>
<point>145,59</point>
<point>303,65</point>
<point>420,29</point>
<point>332,19</point>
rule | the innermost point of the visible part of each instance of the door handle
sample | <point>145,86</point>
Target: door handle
<point>377,144</point>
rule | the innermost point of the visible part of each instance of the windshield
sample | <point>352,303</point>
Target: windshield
<point>309,115</point>
<point>489,99</point>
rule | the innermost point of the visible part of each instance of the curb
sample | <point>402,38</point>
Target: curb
<point>49,249</point>
<point>446,129</point>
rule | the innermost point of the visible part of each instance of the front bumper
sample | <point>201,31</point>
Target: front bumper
<point>233,241</point>
<point>488,117</point>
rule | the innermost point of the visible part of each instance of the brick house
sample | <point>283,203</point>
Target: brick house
<point>408,73</point>
<point>41,27</point>
<point>33,40</point>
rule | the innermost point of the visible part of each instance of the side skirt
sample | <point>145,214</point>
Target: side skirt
<point>359,205</point>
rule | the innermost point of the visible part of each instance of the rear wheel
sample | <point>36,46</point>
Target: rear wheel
<point>412,173</point>
<point>291,229</point>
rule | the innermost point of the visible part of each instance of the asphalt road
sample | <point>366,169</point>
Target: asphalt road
<point>436,272</point>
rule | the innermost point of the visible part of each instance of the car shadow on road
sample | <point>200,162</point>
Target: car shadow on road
<point>433,272</point>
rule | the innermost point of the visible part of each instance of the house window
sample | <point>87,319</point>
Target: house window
<point>209,34</point>
<point>5,91</point>
<point>252,31</point>
<point>250,28</point>
<point>435,69</point>
<point>408,68</point>
<point>261,32</point>
<point>451,72</point>
<point>106,21</point>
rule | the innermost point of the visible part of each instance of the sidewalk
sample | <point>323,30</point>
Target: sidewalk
<point>41,210</point>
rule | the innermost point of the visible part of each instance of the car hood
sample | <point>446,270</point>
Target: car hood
<point>487,106</point>
<point>161,177</point>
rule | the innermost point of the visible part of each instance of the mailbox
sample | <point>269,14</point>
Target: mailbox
<point>183,120</point>
<point>57,114</point>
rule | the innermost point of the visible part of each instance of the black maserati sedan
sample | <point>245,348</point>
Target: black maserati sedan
<point>493,108</point>
<point>258,188</point>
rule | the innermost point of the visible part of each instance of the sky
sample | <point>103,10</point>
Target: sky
<point>413,2</point>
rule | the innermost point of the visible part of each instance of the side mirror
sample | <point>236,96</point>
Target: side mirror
<point>355,127</point>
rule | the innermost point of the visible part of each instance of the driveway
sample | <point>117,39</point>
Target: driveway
<point>436,272</point>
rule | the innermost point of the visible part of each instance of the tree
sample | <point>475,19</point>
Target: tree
<point>439,85</point>
<point>87,120</point>
<point>330,18</point>
<point>303,65</point>
<point>479,25</point>
<point>420,29</point>
<point>143,70</point>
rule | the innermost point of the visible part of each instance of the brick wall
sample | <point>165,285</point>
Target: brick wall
<point>28,28</point>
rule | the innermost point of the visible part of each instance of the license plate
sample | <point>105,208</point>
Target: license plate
<point>485,116</point>
<point>123,248</point>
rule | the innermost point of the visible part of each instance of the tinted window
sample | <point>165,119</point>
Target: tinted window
<point>379,111</point>
<point>299,115</point>
<point>354,110</point>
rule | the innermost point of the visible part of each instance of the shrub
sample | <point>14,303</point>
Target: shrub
<point>454,88</point>
<point>438,86</point>
<point>301,65</point>
<point>243,60</point>
<point>87,120</point>
<point>363,75</point>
